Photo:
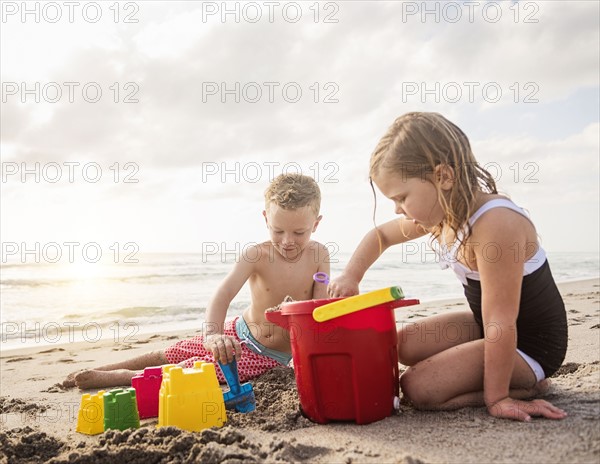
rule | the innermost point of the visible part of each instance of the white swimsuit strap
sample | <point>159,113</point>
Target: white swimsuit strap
<point>534,263</point>
<point>497,203</point>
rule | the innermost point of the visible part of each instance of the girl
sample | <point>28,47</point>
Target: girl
<point>515,335</point>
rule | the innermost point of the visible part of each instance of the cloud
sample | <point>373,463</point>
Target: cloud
<point>180,65</point>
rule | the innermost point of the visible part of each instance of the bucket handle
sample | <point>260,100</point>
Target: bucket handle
<point>357,303</point>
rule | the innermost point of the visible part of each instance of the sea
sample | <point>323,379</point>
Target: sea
<point>54,303</point>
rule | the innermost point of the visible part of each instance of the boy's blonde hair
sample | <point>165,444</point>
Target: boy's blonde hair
<point>293,191</point>
<point>417,143</point>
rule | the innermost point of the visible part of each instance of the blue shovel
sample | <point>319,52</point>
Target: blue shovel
<point>239,396</point>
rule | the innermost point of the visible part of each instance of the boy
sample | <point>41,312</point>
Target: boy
<point>275,269</point>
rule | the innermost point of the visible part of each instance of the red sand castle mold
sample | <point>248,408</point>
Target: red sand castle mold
<point>147,386</point>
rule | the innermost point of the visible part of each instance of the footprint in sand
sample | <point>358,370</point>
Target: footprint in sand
<point>66,360</point>
<point>14,360</point>
<point>124,347</point>
<point>51,350</point>
<point>597,326</point>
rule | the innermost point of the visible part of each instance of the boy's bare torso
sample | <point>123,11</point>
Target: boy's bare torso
<point>274,279</point>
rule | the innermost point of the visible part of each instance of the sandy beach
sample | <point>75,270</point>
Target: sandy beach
<point>38,416</point>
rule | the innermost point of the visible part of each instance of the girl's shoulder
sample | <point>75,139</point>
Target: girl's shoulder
<point>498,214</point>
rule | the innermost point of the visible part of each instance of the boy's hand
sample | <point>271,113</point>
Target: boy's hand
<point>223,347</point>
<point>342,286</point>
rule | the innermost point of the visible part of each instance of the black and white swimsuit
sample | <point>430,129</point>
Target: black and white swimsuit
<point>542,321</point>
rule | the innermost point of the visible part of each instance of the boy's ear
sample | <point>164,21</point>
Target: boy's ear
<point>317,223</point>
<point>265,215</point>
<point>444,175</point>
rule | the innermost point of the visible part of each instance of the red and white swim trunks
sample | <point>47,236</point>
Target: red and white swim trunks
<point>251,364</point>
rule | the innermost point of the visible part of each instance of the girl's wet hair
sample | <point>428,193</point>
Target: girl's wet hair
<point>424,145</point>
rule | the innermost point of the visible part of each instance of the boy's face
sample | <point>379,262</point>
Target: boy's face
<point>290,229</point>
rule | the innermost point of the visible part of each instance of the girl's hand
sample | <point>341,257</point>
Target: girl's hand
<point>342,286</point>
<point>223,347</point>
<point>509,408</point>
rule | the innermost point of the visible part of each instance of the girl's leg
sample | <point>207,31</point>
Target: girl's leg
<point>453,379</point>
<point>431,335</point>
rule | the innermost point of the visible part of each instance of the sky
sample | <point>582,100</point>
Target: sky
<point>155,126</point>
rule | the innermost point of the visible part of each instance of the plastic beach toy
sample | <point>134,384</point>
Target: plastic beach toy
<point>120,409</point>
<point>147,386</point>
<point>346,368</point>
<point>90,419</point>
<point>240,396</point>
<point>191,399</point>
<point>357,303</point>
<point>321,278</point>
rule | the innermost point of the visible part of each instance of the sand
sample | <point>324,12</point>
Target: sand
<point>38,416</point>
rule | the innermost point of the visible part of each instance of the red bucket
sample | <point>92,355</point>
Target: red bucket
<point>346,368</point>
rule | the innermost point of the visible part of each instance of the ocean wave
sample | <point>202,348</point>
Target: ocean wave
<point>196,275</point>
<point>145,311</point>
<point>107,322</point>
<point>145,278</point>
<point>34,283</point>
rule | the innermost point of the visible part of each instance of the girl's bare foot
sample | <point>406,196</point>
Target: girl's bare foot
<point>542,387</point>
<point>93,378</point>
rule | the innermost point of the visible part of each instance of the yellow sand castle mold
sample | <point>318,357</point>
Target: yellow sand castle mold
<point>90,419</point>
<point>191,399</point>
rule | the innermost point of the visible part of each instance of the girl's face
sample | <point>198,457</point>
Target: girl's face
<point>414,197</point>
<point>290,229</point>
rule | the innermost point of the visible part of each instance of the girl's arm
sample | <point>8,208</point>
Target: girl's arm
<point>494,238</point>
<point>374,243</point>
<point>499,241</point>
<point>221,346</point>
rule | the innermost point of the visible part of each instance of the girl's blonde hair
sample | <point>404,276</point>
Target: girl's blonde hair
<point>293,191</point>
<point>418,143</point>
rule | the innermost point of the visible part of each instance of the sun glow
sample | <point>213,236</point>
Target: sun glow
<point>83,270</point>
